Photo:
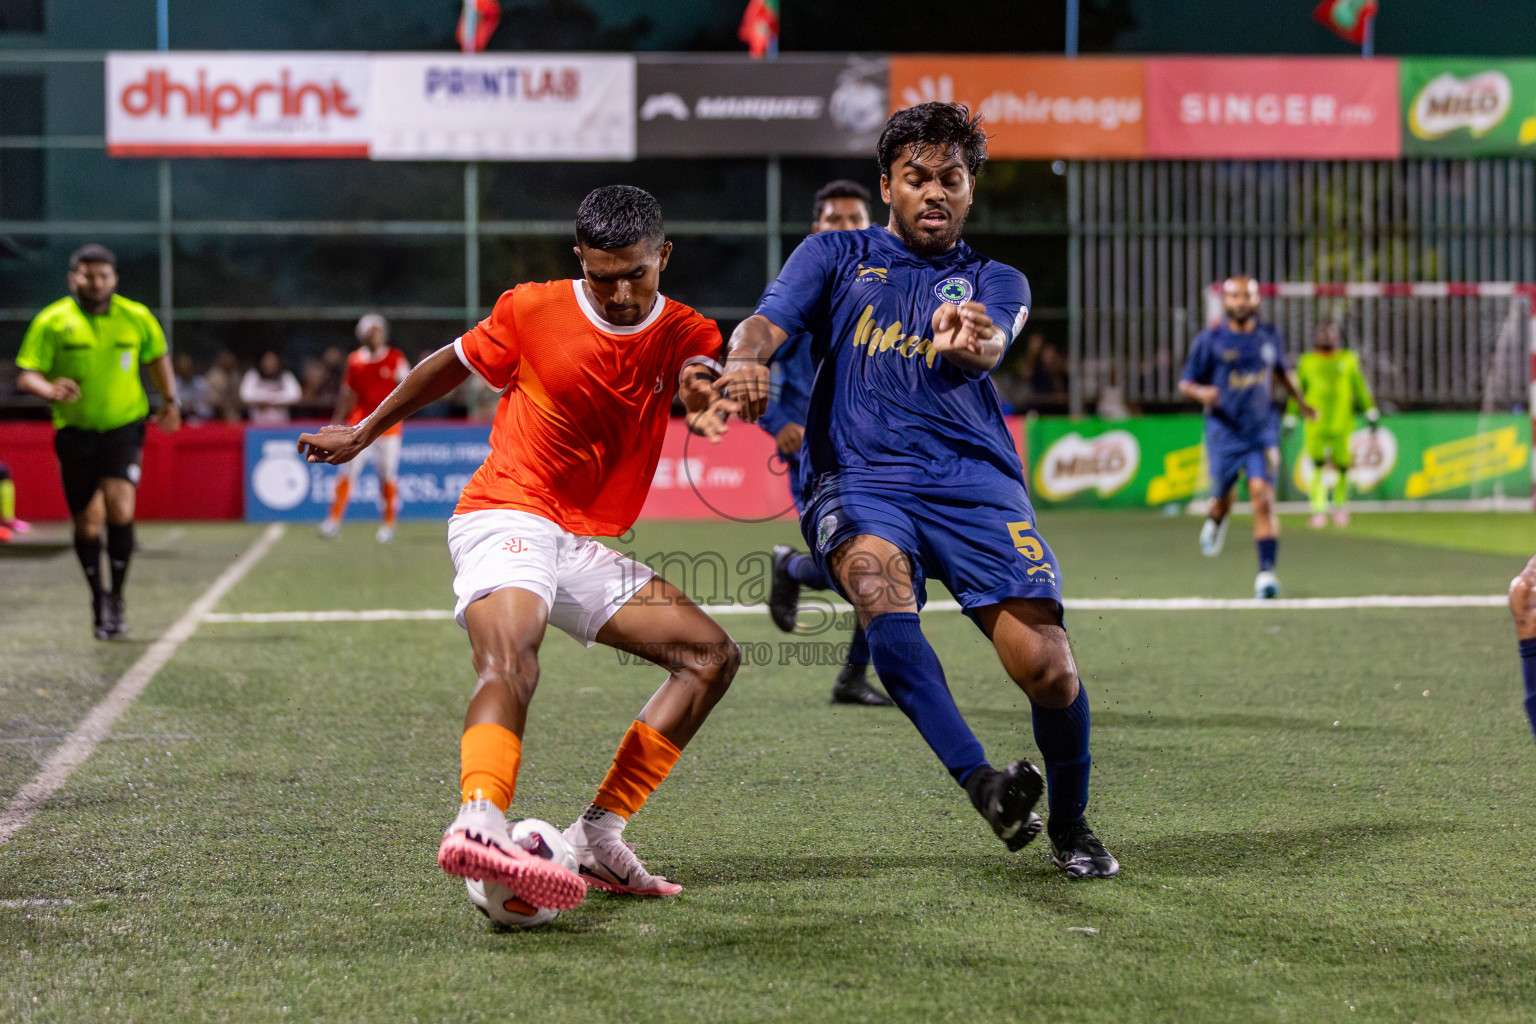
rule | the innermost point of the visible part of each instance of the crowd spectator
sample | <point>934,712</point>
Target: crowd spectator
<point>196,397</point>
<point>268,390</point>
<point>322,377</point>
<point>223,383</point>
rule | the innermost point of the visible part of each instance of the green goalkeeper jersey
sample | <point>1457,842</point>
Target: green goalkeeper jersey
<point>1335,387</point>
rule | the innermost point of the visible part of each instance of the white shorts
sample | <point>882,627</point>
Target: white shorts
<point>386,449</point>
<point>581,581</point>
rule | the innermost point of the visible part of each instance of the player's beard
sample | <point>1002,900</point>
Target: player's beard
<point>928,245</point>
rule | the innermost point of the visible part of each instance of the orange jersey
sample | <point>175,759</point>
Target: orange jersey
<point>373,378</point>
<point>579,429</point>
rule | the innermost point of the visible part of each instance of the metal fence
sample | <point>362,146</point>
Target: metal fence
<point>1147,237</point>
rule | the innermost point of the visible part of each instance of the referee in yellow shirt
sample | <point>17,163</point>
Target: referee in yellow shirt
<point>83,354</point>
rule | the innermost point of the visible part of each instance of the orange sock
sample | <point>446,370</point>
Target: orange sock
<point>489,756</point>
<point>391,490</point>
<point>645,757</point>
<point>343,491</point>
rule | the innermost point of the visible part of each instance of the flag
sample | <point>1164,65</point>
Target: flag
<point>487,17</point>
<point>1346,17</point>
<point>760,27</point>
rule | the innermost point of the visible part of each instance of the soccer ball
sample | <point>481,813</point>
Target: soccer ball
<point>497,902</point>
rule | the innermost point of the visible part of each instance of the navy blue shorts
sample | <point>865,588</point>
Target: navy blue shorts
<point>1229,456</point>
<point>985,549</point>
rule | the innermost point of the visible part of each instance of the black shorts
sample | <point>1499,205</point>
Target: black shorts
<point>87,457</point>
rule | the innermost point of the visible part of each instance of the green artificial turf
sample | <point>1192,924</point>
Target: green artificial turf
<point>1322,815</point>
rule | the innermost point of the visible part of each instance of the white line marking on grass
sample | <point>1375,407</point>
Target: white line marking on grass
<point>70,754</point>
<point>370,615</point>
<point>1080,604</point>
<point>23,904</point>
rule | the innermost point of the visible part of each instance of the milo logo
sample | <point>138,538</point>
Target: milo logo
<point>1447,103</point>
<point>1074,464</point>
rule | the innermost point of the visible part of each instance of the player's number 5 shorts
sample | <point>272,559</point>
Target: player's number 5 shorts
<point>581,581</point>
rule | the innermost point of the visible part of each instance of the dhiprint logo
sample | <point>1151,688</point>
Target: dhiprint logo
<point>515,546</point>
<point>954,290</point>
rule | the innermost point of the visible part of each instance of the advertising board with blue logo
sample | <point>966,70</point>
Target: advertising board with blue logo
<point>435,464</point>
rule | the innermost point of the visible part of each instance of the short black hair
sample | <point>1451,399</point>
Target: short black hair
<point>930,126</point>
<point>842,188</point>
<point>619,216</point>
<point>92,252</point>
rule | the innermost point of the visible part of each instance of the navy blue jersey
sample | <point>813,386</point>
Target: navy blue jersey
<point>885,406</point>
<point>1242,366</point>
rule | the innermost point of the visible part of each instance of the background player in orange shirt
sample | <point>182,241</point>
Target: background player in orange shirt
<point>589,367</point>
<point>373,371</point>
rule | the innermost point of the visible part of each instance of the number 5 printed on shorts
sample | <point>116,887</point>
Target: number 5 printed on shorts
<point>1022,535</point>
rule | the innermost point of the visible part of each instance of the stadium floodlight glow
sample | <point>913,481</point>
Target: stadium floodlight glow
<point>1314,290</point>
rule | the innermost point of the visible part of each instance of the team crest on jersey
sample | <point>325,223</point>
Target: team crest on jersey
<point>824,531</point>
<point>1267,353</point>
<point>954,289</point>
<point>866,273</point>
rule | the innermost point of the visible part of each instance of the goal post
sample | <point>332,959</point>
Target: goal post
<point>1468,344</point>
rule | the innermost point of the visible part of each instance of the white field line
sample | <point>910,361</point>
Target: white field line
<point>1085,604</point>
<point>24,904</point>
<point>70,754</point>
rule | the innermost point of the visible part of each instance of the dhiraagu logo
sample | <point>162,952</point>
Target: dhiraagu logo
<point>954,289</point>
<point>1074,464</point>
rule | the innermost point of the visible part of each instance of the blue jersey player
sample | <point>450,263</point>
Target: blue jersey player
<point>839,206</point>
<point>912,471</point>
<point>1231,371</point>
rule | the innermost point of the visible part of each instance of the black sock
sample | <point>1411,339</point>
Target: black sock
<point>88,550</point>
<point>119,552</point>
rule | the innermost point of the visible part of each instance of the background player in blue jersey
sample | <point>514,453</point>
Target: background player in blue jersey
<point>839,206</point>
<point>1231,371</point>
<point>912,472</point>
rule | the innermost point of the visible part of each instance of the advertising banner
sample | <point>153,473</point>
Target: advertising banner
<point>1160,460</point>
<point>1297,108</point>
<point>1036,108</point>
<point>1463,107</point>
<point>435,464</point>
<point>1418,456</point>
<point>738,479</point>
<point>797,105</point>
<point>237,104</point>
<point>545,106</point>
<point>1153,461</point>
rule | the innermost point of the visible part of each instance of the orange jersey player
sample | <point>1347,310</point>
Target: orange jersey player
<point>373,371</point>
<point>589,368</point>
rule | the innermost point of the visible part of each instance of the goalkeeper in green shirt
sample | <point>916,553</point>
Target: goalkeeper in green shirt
<point>1331,383</point>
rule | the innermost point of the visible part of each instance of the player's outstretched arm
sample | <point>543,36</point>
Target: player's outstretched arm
<point>745,381</point>
<point>707,409</point>
<point>966,336</point>
<point>1292,385</point>
<point>434,378</point>
<point>1205,394</point>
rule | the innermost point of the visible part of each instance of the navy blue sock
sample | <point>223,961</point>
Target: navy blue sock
<point>1062,736</point>
<point>1269,549</point>
<point>1528,666</point>
<point>802,569</point>
<point>858,647</point>
<point>910,670</point>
